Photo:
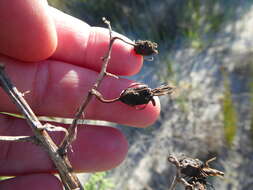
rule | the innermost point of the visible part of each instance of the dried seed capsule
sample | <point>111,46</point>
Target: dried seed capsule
<point>191,167</point>
<point>194,172</point>
<point>145,47</point>
<point>142,94</point>
<point>136,96</point>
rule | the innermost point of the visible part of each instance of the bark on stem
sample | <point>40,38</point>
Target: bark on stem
<point>68,177</point>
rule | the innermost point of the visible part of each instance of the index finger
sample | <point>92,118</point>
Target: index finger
<point>83,45</point>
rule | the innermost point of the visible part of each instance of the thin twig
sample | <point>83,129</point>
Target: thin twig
<point>178,178</point>
<point>100,97</point>
<point>185,183</point>
<point>174,183</point>
<point>81,112</point>
<point>69,179</point>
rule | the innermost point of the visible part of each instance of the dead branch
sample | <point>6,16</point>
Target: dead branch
<point>69,179</point>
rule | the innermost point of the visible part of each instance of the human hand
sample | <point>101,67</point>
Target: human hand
<point>57,59</point>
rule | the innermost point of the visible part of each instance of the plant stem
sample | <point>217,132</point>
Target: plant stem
<point>69,178</point>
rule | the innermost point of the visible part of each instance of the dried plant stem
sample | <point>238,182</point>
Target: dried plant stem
<point>174,183</point>
<point>178,179</point>
<point>69,179</point>
<point>100,97</point>
<point>19,139</point>
<point>82,109</point>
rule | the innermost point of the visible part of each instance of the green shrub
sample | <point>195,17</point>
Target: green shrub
<point>98,181</point>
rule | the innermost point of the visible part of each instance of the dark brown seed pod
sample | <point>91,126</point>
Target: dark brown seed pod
<point>136,96</point>
<point>194,171</point>
<point>145,47</point>
<point>142,94</point>
<point>198,169</point>
<point>191,167</point>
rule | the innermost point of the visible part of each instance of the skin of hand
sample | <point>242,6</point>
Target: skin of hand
<point>57,59</point>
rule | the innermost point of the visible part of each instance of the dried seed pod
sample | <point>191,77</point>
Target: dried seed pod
<point>142,94</point>
<point>191,167</point>
<point>198,169</point>
<point>136,96</point>
<point>194,171</point>
<point>145,47</point>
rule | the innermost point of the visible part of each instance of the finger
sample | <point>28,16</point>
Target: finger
<point>27,31</point>
<point>32,182</point>
<point>97,148</point>
<point>80,44</point>
<point>57,89</point>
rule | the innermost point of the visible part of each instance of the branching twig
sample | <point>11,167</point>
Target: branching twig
<point>145,48</point>
<point>174,183</point>
<point>177,178</point>
<point>69,179</point>
<point>82,109</point>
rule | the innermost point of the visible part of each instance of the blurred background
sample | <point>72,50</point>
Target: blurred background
<point>206,51</point>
